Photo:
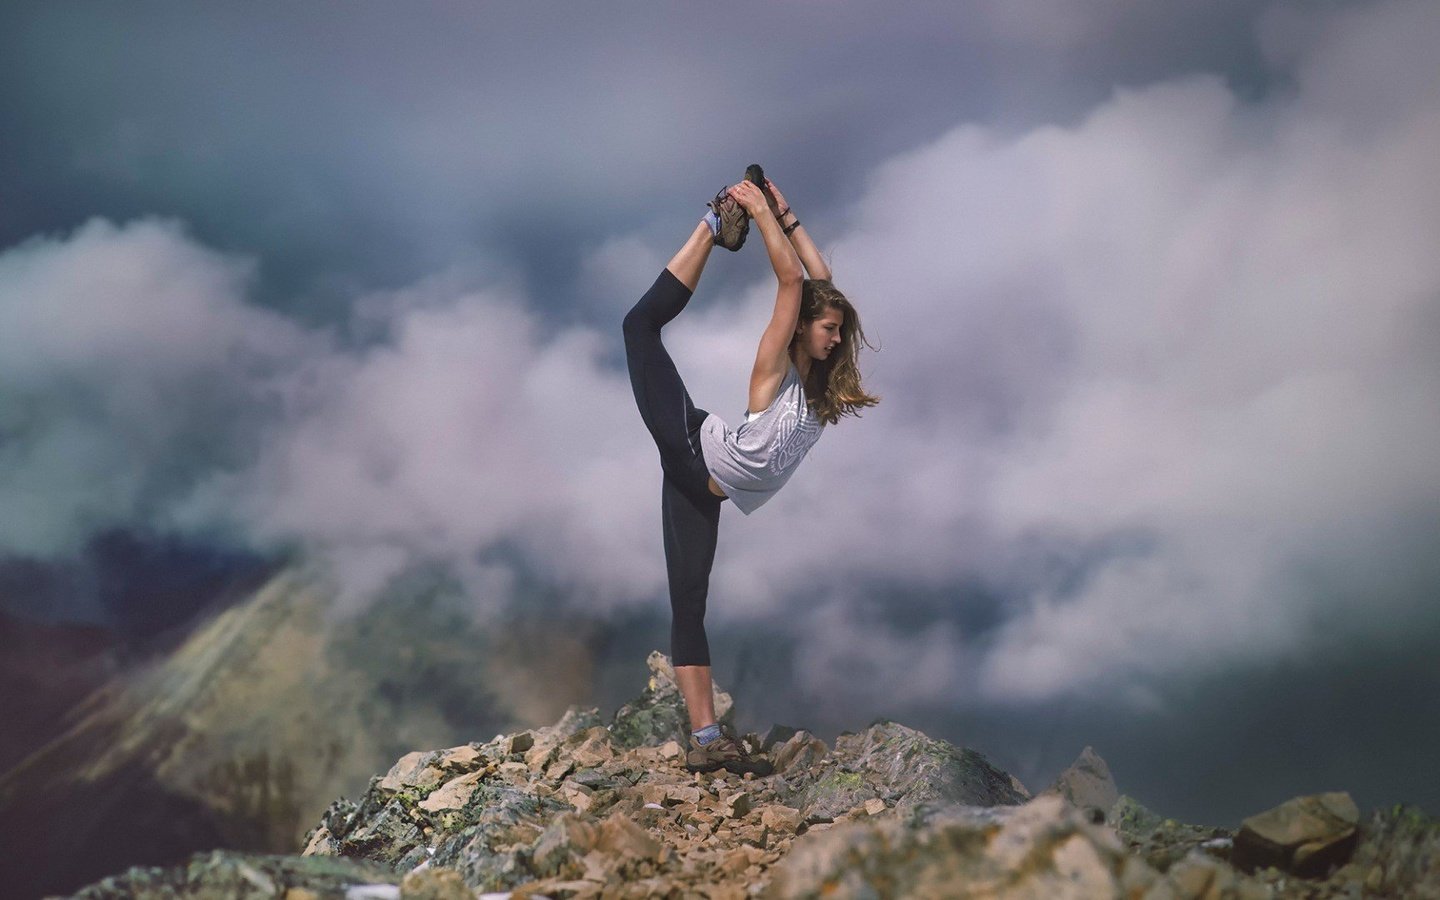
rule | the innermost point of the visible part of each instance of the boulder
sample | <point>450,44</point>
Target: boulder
<point>1087,784</point>
<point>834,794</point>
<point>428,883</point>
<point>777,734</point>
<point>416,772</point>
<point>659,714</point>
<point>558,850</point>
<point>916,768</point>
<point>618,835</point>
<point>538,748</point>
<point>1304,836</point>
<point>454,794</point>
<point>800,751</point>
<point>1044,849</point>
<point>1162,842</point>
<point>1398,855</point>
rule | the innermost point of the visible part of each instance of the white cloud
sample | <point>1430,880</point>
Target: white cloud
<point>1221,357</point>
<point>1184,347</point>
<point>126,356</point>
<point>473,429</point>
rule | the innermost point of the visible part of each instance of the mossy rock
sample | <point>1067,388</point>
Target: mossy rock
<point>834,794</point>
<point>659,714</point>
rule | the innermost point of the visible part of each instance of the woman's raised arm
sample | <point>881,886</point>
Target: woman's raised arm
<point>772,358</point>
<point>799,238</point>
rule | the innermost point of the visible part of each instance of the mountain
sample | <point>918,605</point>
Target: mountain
<point>46,670</point>
<point>263,713</point>
<point>596,808</point>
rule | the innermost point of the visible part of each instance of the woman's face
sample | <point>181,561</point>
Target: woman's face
<point>821,336</point>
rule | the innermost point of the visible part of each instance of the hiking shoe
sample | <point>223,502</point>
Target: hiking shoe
<point>734,221</point>
<point>725,752</point>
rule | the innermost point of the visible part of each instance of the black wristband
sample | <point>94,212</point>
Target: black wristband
<point>791,227</point>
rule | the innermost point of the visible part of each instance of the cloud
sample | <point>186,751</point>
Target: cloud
<point>1149,377</point>
<point>1206,323</point>
<point>373,148</point>
<point>129,366</point>
<point>473,429</point>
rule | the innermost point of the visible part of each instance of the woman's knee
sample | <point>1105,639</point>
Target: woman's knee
<point>637,325</point>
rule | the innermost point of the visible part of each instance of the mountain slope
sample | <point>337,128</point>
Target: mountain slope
<point>266,712</point>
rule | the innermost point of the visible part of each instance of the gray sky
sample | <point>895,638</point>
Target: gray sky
<point>1155,288</point>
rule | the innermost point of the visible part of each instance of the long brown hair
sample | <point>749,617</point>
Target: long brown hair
<point>833,387</point>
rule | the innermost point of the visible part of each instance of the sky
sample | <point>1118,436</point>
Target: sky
<point>1154,289</point>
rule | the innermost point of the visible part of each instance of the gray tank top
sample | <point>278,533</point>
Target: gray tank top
<point>755,460</point>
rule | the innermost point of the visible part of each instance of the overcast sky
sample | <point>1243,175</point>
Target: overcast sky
<point>1155,287</point>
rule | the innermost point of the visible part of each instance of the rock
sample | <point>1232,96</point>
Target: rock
<point>558,849</point>
<point>545,742</point>
<point>778,734</point>
<point>1044,849</point>
<point>780,818</point>
<point>917,768</point>
<point>454,794</point>
<point>1087,783</point>
<point>434,884</point>
<point>619,835</point>
<point>590,747</point>
<point>461,759</point>
<point>243,876</point>
<point>658,714</point>
<point>1304,836</point>
<point>414,771</point>
<point>1399,854</point>
<point>800,751</point>
<point>319,842</point>
<point>1162,842</point>
<point>736,806</point>
<point>833,795</point>
<point>383,829</point>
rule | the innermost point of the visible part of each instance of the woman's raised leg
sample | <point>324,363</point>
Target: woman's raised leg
<point>689,261</point>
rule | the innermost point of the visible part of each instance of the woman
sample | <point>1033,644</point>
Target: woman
<point>804,378</point>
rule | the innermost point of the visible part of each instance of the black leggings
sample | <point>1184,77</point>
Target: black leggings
<point>690,514</point>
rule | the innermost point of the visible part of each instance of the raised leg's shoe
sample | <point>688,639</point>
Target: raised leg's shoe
<point>734,221</point>
<point>756,176</point>
<point>725,752</point>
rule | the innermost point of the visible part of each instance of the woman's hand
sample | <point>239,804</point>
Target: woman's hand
<point>777,201</point>
<point>751,198</point>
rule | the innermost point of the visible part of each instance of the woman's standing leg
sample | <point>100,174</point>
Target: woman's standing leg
<point>690,513</point>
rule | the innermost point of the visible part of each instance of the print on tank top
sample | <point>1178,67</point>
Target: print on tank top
<point>797,432</point>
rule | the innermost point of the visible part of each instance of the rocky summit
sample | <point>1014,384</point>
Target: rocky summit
<point>606,809</point>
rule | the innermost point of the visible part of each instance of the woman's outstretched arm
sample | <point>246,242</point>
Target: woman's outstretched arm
<point>772,359</point>
<point>799,238</point>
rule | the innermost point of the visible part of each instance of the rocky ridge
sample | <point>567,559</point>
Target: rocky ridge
<point>588,808</point>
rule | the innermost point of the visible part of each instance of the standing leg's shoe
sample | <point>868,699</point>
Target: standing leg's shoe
<point>725,752</point>
<point>734,221</point>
